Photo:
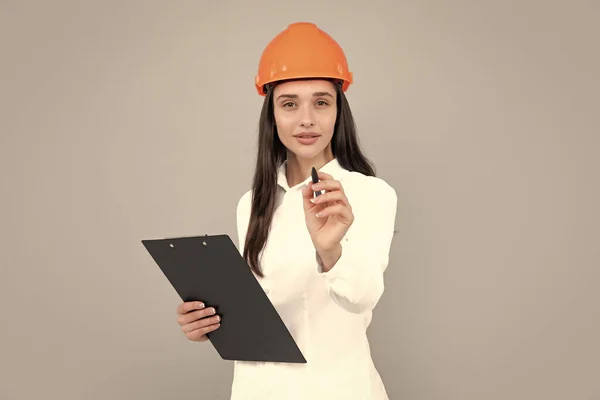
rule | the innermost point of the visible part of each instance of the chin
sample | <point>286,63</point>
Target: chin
<point>307,153</point>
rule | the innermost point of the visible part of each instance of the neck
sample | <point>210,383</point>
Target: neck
<point>299,169</point>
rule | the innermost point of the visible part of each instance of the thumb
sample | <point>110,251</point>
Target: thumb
<point>307,195</point>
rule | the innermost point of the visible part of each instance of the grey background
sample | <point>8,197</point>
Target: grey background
<point>124,120</point>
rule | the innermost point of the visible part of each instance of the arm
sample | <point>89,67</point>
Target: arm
<point>242,219</point>
<point>354,270</point>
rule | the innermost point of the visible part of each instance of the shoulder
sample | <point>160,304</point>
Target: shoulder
<point>244,204</point>
<point>364,188</point>
<point>374,203</point>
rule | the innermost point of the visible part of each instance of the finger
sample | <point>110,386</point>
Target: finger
<point>328,185</point>
<point>331,197</point>
<point>338,209</point>
<point>196,315</point>
<point>188,306</point>
<point>323,176</point>
<point>201,323</point>
<point>307,195</point>
<point>200,334</point>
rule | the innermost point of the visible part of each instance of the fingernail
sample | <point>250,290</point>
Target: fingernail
<point>200,305</point>
<point>212,311</point>
<point>218,318</point>
<point>313,200</point>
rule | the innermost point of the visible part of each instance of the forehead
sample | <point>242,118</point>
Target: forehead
<point>304,87</point>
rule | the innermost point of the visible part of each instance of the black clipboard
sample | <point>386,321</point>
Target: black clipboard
<point>211,269</point>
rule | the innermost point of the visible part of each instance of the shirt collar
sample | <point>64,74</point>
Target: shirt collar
<point>332,168</point>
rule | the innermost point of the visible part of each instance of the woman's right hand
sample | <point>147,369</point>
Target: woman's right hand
<point>196,320</point>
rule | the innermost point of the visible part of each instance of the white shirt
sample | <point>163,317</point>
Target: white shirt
<point>328,313</point>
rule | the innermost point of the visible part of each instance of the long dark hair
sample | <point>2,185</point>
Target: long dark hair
<point>272,153</point>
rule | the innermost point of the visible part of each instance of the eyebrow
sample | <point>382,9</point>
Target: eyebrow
<point>315,94</point>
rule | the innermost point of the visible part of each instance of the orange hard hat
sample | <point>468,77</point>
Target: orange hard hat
<point>302,51</point>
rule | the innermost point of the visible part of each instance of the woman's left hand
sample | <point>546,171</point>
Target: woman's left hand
<point>329,215</point>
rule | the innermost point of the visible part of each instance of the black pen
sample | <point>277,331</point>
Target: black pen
<point>315,179</point>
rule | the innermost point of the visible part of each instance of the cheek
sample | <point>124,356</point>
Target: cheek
<point>329,125</point>
<point>285,125</point>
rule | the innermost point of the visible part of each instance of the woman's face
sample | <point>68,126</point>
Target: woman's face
<point>305,113</point>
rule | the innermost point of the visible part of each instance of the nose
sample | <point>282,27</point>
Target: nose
<point>307,117</point>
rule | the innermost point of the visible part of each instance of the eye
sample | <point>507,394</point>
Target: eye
<point>322,103</point>
<point>288,104</point>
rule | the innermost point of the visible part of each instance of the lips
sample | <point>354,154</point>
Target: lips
<point>307,135</point>
<point>307,139</point>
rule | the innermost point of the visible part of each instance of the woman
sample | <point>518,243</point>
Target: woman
<point>320,259</point>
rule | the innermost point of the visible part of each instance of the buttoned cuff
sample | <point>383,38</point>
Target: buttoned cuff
<point>332,273</point>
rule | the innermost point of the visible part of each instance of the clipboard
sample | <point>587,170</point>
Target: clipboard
<point>211,269</point>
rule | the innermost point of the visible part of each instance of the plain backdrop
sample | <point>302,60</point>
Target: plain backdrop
<point>126,120</point>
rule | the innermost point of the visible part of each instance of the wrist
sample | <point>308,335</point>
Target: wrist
<point>328,258</point>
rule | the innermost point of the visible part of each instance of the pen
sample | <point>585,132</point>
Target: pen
<point>315,179</point>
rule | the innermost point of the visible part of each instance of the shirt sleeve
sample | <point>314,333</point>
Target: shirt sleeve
<point>242,219</point>
<point>355,282</point>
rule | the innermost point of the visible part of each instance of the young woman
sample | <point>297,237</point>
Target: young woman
<point>320,259</point>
